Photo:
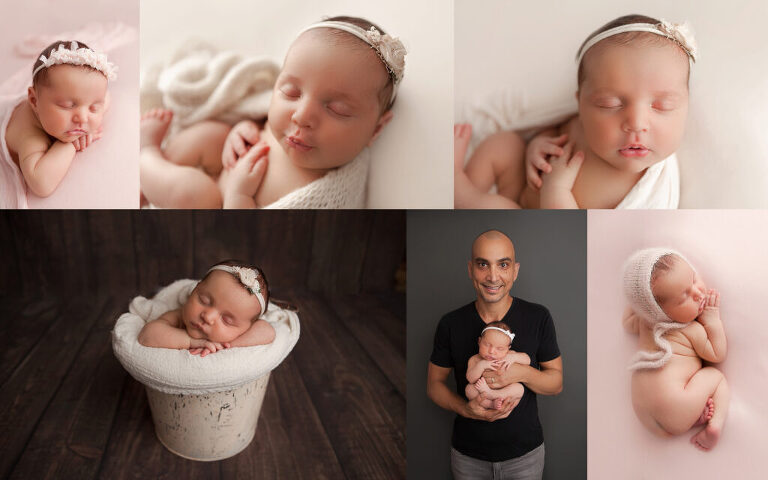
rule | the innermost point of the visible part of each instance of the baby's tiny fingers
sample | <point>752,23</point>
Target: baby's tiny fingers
<point>552,149</point>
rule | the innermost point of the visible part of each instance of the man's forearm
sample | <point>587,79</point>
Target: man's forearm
<point>543,382</point>
<point>445,398</point>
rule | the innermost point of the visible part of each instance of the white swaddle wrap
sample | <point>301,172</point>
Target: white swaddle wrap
<point>510,109</point>
<point>13,190</point>
<point>177,371</point>
<point>201,83</point>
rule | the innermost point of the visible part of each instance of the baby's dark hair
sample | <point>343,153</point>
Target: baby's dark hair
<point>500,325</point>
<point>663,265</point>
<point>263,282</point>
<point>385,94</point>
<point>624,38</point>
<point>41,77</point>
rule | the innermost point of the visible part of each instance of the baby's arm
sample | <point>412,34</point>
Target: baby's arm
<point>475,368</point>
<point>631,321</point>
<point>518,357</point>
<point>260,333</point>
<point>163,332</point>
<point>557,185</point>
<point>706,334</point>
<point>44,164</point>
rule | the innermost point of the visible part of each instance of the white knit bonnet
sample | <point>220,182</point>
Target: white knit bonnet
<point>637,288</point>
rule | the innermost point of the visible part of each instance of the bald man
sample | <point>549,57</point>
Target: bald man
<point>488,443</point>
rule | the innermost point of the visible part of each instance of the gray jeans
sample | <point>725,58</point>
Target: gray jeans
<point>527,467</point>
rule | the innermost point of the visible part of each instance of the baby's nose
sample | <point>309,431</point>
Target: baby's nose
<point>209,316</point>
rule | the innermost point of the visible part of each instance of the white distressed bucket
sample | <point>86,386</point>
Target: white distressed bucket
<point>208,427</point>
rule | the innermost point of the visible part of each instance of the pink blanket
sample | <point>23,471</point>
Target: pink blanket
<point>728,249</point>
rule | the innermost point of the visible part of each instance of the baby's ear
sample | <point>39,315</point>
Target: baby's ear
<point>383,120</point>
<point>32,97</point>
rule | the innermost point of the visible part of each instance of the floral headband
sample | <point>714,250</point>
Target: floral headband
<point>249,277</point>
<point>390,50</point>
<point>680,33</point>
<point>75,55</point>
<point>509,334</point>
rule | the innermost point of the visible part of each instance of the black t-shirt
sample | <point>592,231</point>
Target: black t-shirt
<point>456,341</point>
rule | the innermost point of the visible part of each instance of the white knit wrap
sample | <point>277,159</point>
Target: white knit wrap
<point>637,288</point>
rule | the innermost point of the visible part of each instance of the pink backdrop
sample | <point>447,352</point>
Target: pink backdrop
<point>729,249</point>
<point>106,175</point>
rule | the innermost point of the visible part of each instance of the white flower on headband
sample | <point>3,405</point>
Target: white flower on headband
<point>249,278</point>
<point>680,33</point>
<point>391,49</point>
<point>78,56</point>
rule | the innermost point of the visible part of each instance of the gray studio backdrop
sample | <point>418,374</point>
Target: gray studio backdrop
<point>551,247</point>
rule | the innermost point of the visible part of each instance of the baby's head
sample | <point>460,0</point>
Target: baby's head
<point>662,286</point>
<point>226,302</point>
<point>633,90</point>
<point>495,341</point>
<point>335,91</point>
<point>69,89</point>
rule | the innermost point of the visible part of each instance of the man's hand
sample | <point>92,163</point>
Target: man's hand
<point>539,149</point>
<point>240,139</point>
<point>474,410</point>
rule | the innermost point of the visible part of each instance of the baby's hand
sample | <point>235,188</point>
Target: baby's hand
<point>711,307</point>
<point>81,143</point>
<point>565,169</point>
<point>539,150</point>
<point>500,365</point>
<point>249,171</point>
<point>203,347</point>
<point>240,139</point>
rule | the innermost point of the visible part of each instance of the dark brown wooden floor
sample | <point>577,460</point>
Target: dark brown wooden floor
<point>334,409</point>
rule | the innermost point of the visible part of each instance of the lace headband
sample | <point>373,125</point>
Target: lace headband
<point>249,277</point>
<point>680,33</point>
<point>75,55</point>
<point>509,334</point>
<point>390,50</point>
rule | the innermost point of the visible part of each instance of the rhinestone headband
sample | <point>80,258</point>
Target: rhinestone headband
<point>76,55</point>
<point>509,334</point>
<point>680,33</point>
<point>249,277</point>
<point>390,50</point>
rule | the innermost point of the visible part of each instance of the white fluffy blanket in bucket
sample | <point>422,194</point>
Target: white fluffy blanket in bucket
<point>177,371</point>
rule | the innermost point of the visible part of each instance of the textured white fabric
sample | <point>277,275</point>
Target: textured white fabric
<point>179,372</point>
<point>201,83</point>
<point>509,109</point>
<point>13,190</point>
<point>637,289</point>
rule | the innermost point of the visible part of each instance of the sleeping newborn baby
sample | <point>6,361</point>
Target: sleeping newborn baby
<point>494,354</point>
<point>223,311</point>
<point>677,320</point>
<point>62,114</point>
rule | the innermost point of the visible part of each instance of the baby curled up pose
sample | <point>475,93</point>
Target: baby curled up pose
<point>223,311</point>
<point>61,115</point>
<point>331,99</point>
<point>617,152</point>
<point>495,353</point>
<point>677,320</point>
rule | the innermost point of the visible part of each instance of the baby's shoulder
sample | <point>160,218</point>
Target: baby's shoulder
<point>24,130</point>
<point>172,318</point>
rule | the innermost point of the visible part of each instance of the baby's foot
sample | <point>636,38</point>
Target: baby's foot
<point>498,403</point>
<point>154,125</point>
<point>482,386</point>
<point>709,410</point>
<point>462,132</point>
<point>706,438</point>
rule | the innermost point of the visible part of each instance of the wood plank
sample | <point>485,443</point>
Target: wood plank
<point>385,250</point>
<point>338,250</point>
<point>110,236</point>
<point>10,272</point>
<point>290,441</point>
<point>380,334</point>
<point>71,436</point>
<point>164,248</point>
<point>26,394</point>
<point>278,242</point>
<point>22,330</point>
<point>135,452</point>
<point>363,415</point>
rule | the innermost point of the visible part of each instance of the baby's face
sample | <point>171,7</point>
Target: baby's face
<point>633,103</point>
<point>219,309</point>
<point>325,106</point>
<point>680,292</point>
<point>71,104</point>
<point>493,345</point>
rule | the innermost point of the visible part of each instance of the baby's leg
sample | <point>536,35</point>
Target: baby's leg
<point>682,413</point>
<point>166,184</point>
<point>471,392</point>
<point>500,161</point>
<point>199,145</point>
<point>709,435</point>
